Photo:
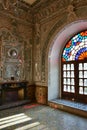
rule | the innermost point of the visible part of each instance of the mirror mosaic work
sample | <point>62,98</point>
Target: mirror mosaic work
<point>11,57</point>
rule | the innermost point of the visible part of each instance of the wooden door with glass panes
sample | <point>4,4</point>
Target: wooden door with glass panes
<point>74,68</point>
<point>74,81</point>
<point>68,80</point>
<point>82,80</point>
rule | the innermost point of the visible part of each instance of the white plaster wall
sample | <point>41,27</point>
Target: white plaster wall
<point>54,56</point>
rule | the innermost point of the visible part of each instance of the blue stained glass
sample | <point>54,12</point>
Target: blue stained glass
<point>73,43</point>
<point>76,57</point>
<point>80,37</point>
<point>85,37</point>
<point>65,57</point>
<point>67,49</point>
<point>85,48</point>
<point>79,52</point>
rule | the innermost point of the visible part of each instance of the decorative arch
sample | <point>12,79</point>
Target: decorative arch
<point>74,68</point>
<point>54,56</point>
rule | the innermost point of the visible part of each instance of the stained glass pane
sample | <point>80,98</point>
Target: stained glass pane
<point>68,73</point>
<point>64,89</point>
<point>72,66</point>
<point>68,81</point>
<point>64,74</point>
<point>80,90</point>
<point>85,82</point>
<point>64,67</point>
<point>80,74</point>
<point>80,66</point>
<point>85,74</point>
<point>80,82</point>
<point>64,81</point>
<point>68,66</point>
<point>72,73</point>
<point>85,66</point>
<point>85,90</point>
<point>76,48</point>
<point>68,88</point>
<point>72,81</point>
<point>72,89</point>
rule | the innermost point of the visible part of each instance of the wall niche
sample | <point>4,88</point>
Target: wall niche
<point>11,57</point>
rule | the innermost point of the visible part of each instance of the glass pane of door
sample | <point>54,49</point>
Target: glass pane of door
<point>82,68</point>
<point>68,78</point>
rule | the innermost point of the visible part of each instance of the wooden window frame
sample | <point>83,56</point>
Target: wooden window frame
<point>69,95</point>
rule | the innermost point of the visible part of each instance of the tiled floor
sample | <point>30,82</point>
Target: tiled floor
<point>40,117</point>
<point>13,104</point>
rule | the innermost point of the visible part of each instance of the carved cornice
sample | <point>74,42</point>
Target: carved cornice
<point>79,3</point>
<point>12,17</point>
<point>47,8</point>
<point>40,9</point>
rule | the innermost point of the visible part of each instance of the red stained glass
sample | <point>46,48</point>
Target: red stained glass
<point>68,44</point>
<point>77,43</point>
<point>63,59</point>
<point>83,33</point>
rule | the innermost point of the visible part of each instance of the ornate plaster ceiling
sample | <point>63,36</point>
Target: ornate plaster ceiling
<point>30,1</point>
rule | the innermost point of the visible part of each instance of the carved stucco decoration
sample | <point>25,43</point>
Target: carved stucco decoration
<point>71,14</point>
<point>28,60</point>
<point>17,9</point>
<point>37,33</point>
<point>56,26</point>
<point>37,57</point>
<point>12,57</point>
<point>37,68</point>
<point>37,29</point>
<point>50,7</point>
<point>5,4</point>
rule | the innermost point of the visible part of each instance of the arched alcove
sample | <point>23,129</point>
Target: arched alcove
<point>54,56</point>
<point>11,56</point>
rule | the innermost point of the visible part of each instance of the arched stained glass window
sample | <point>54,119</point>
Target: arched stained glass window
<point>74,68</point>
<point>76,48</point>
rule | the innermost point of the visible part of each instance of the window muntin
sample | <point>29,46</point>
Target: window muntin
<point>68,78</point>
<point>82,69</point>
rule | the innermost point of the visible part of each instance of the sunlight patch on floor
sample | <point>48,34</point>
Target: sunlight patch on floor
<point>28,126</point>
<point>17,119</point>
